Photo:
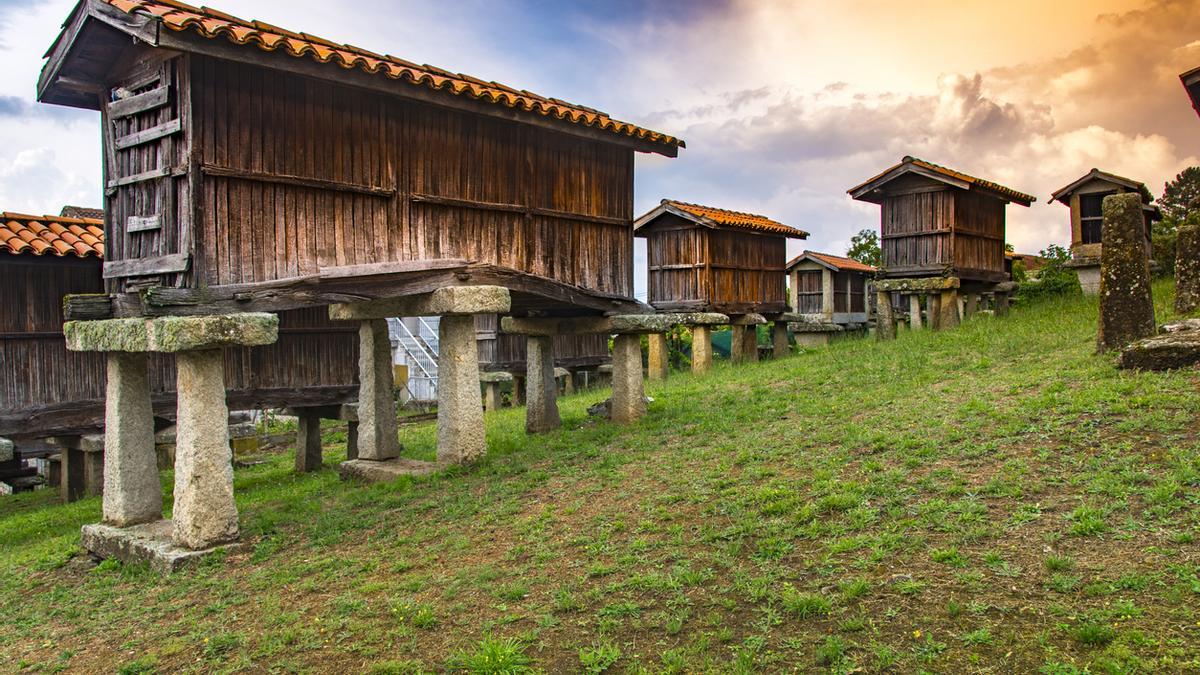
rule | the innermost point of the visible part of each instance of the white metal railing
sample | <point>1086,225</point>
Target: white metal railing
<point>419,350</point>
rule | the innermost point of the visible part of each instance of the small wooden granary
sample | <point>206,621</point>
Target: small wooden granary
<point>714,260</point>
<point>937,221</point>
<point>252,168</point>
<point>829,288</point>
<point>1085,196</point>
<point>1191,83</point>
<point>46,390</point>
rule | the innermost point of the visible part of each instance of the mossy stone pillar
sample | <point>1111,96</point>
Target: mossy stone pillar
<point>541,393</point>
<point>658,363</point>
<point>1187,269</point>
<point>701,349</point>
<point>948,316</point>
<point>779,339</point>
<point>1126,304</point>
<point>628,401</point>
<point>885,320</point>
<point>737,344</point>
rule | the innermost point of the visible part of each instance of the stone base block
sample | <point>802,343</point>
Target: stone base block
<point>372,471</point>
<point>150,543</point>
<point>1171,351</point>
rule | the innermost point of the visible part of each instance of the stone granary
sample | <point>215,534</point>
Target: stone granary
<point>1084,197</point>
<point>828,289</point>
<point>252,169</point>
<point>942,235</point>
<point>706,259</point>
<point>48,393</point>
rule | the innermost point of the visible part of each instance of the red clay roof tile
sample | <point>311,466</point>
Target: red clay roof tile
<point>57,235</point>
<point>211,23</point>
<point>738,219</point>
<point>840,262</point>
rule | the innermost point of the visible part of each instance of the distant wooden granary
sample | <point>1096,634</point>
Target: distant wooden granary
<point>830,288</point>
<point>250,169</point>
<point>1191,83</point>
<point>707,259</point>
<point>941,230</point>
<point>1084,196</point>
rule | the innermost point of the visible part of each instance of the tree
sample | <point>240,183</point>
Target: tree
<point>1180,203</point>
<point>864,247</point>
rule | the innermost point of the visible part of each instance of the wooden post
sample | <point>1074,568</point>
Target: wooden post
<point>885,320</point>
<point>779,339</point>
<point>914,312</point>
<point>308,441</point>
<point>658,359</point>
<point>701,349</point>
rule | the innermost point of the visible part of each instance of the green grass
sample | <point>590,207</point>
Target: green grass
<point>995,498</point>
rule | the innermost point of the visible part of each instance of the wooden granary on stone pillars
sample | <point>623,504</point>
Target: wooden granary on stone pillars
<point>710,260</point>
<point>942,235</point>
<point>249,169</point>
<point>1085,197</point>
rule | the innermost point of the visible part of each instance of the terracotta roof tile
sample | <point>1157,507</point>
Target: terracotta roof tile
<point>840,262</point>
<point>738,219</point>
<point>53,235</point>
<point>211,23</point>
<point>1009,193</point>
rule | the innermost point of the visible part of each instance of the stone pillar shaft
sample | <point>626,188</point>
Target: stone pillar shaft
<point>132,492</point>
<point>460,406</point>
<point>1126,303</point>
<point>737,344</point>
<point>933,310</point>
<point>658,360</point>
<point>701,349</point>
<point>491,399</point>
<point>205,514</point>
<point>914,312</point>
<point>972,305</point>
<point>948,309</point>
<point>377,433</point>
<point>628,401</point>
<point>827,294</point>
<point>885,319</point>
<point>541,393</point>
<point>751,348</point>
<point>308,443</point>
<point>1187,269</point>
<point>1000,307</point>
<point>779,339</point>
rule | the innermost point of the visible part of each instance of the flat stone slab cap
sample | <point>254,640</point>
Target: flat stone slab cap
<point>1181,326</point>
<point>791,316</point>
<point>619,323</point>
<point>1005,287</point>
<point>1083,261</point>
<point>172,333</point>
<point>561,372</point>
<point>6,450</point>
<point>148,543</point>
<point>495,376</point>
<point>448,301</point>
<point>918,284</point>
<point>747,320</point>
<point>86,442</point>
<point>1170,351</point>
<point>375,471</point>
<point>814,327</point>
<point>606,368</point>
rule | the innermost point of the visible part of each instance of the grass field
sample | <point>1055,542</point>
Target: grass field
<point>995,498</point>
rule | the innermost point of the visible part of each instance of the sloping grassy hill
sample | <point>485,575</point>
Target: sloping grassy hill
<point>992,499</point>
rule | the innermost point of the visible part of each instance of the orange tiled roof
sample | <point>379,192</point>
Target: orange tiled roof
<point>1010,193</point>
<point>840,262</point>
<point>210,23</point>
<point>745,221</point>
<point>53,235</point>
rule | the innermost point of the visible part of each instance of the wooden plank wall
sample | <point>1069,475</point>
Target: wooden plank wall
<point>978,234</point>
<point>300,174</point>
<point>916,231</point>
<point>675,257</point>
<point>501,351</point>
<point>747,270</point>
<point>808,291</point>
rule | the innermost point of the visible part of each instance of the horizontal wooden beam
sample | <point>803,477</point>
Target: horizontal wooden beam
<point>139,103</point>
<point>139,267</point>
<point>299,181</point>
<point>147,135</point>
<point>527,211</point>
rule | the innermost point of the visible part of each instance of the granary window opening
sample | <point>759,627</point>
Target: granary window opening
<point>1091,216</point>
<point>808,292</point>
<point>841,292</point>
<point>858,293</point>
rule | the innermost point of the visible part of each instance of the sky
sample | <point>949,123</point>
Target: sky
<point>783,105</point>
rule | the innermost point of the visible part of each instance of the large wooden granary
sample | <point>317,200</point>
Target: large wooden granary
<point>937,221</point>
<point>714,260</point>
<point>1084,197</point>
<point>248,167</point>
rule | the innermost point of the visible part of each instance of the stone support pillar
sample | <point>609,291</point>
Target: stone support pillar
<point>491,396</point>
<point>518,390</point>
<point>827,295</point>
<point>737,344</point>
<point>914,312</point>
<point>352,439</point>
<point>1126,303</point>
<point>1187,269</point>
<point>972,305</point>
<point>541,393</point>
<point>205,514</point>
<point>377,432</point>
<point>308,442</point>
<point>885,320</point>
<point>132,492</point>
<point>948,316</point>
<point>701,349</point>
<point>460,406</point>
<point>1000,304</point>
<point>628,401</point>
<point>933,310</point>
<point>658,365</point>
<point>779,339</point>
<point>569,383</point>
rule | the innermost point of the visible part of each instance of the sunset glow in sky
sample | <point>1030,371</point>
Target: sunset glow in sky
<point>784,105</point>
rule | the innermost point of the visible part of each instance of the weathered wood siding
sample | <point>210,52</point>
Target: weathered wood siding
<point>978,236</point>
<point>935,231</point>
<point>700,268</point>
<point>808,295</point>
<point>502,351</point>
<point>292,175</point>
